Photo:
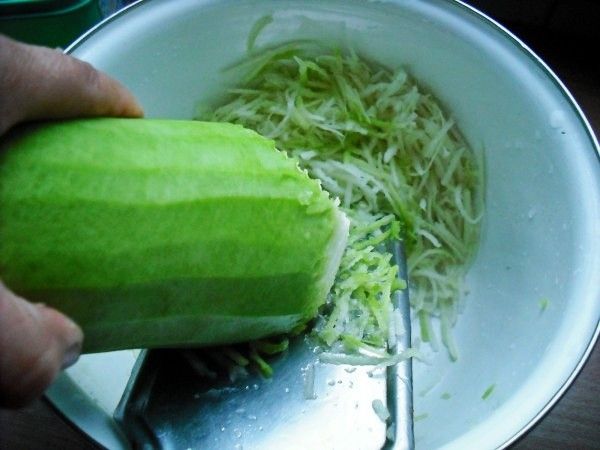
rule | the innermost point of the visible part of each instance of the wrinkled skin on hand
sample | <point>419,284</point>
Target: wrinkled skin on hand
<point>38,83</point>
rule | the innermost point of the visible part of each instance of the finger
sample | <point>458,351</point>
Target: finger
<point>35,343</point>
<point>41,83</point>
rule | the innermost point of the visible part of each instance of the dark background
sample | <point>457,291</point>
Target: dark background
<point>566,34</point>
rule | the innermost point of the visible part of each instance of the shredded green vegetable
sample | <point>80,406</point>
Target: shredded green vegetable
<point>488,392</point>
<point>359,311</point>
<point>543,303</point>
<point>258,26</point>
<point>391,155</point>
<point>381,410</point>
<point>235,360</point>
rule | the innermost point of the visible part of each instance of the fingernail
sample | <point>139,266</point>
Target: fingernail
<point>75,340</point>
<point>71,355</point>
<point>68,335</point>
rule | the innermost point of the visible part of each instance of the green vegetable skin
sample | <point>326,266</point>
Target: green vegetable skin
<point>155,233</point>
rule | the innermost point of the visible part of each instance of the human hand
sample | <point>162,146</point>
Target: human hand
<point>36,83</point>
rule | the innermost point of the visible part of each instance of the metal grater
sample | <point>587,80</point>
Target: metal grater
<point>167,405</point>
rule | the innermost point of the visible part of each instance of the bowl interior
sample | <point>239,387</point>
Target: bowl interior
<point>540,237</point>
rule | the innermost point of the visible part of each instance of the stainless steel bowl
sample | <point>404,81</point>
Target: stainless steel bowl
<point>541,234</point>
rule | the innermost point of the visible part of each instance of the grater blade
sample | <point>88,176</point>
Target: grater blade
<point>167,405</point>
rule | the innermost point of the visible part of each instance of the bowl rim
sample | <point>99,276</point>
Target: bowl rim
<point>528,52</point>
<point>532,56</point>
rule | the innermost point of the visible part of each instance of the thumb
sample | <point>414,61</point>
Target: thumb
<point>42,83</point>
<point>35,343</point>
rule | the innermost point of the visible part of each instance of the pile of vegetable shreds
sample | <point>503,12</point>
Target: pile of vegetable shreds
<point>395,161</point>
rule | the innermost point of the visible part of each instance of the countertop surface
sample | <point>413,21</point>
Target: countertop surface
<point>574,422</point>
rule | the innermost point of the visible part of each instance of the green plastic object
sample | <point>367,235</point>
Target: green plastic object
<point>53,23</point>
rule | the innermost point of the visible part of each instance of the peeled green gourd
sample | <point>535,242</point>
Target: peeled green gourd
<point>155,233</point>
